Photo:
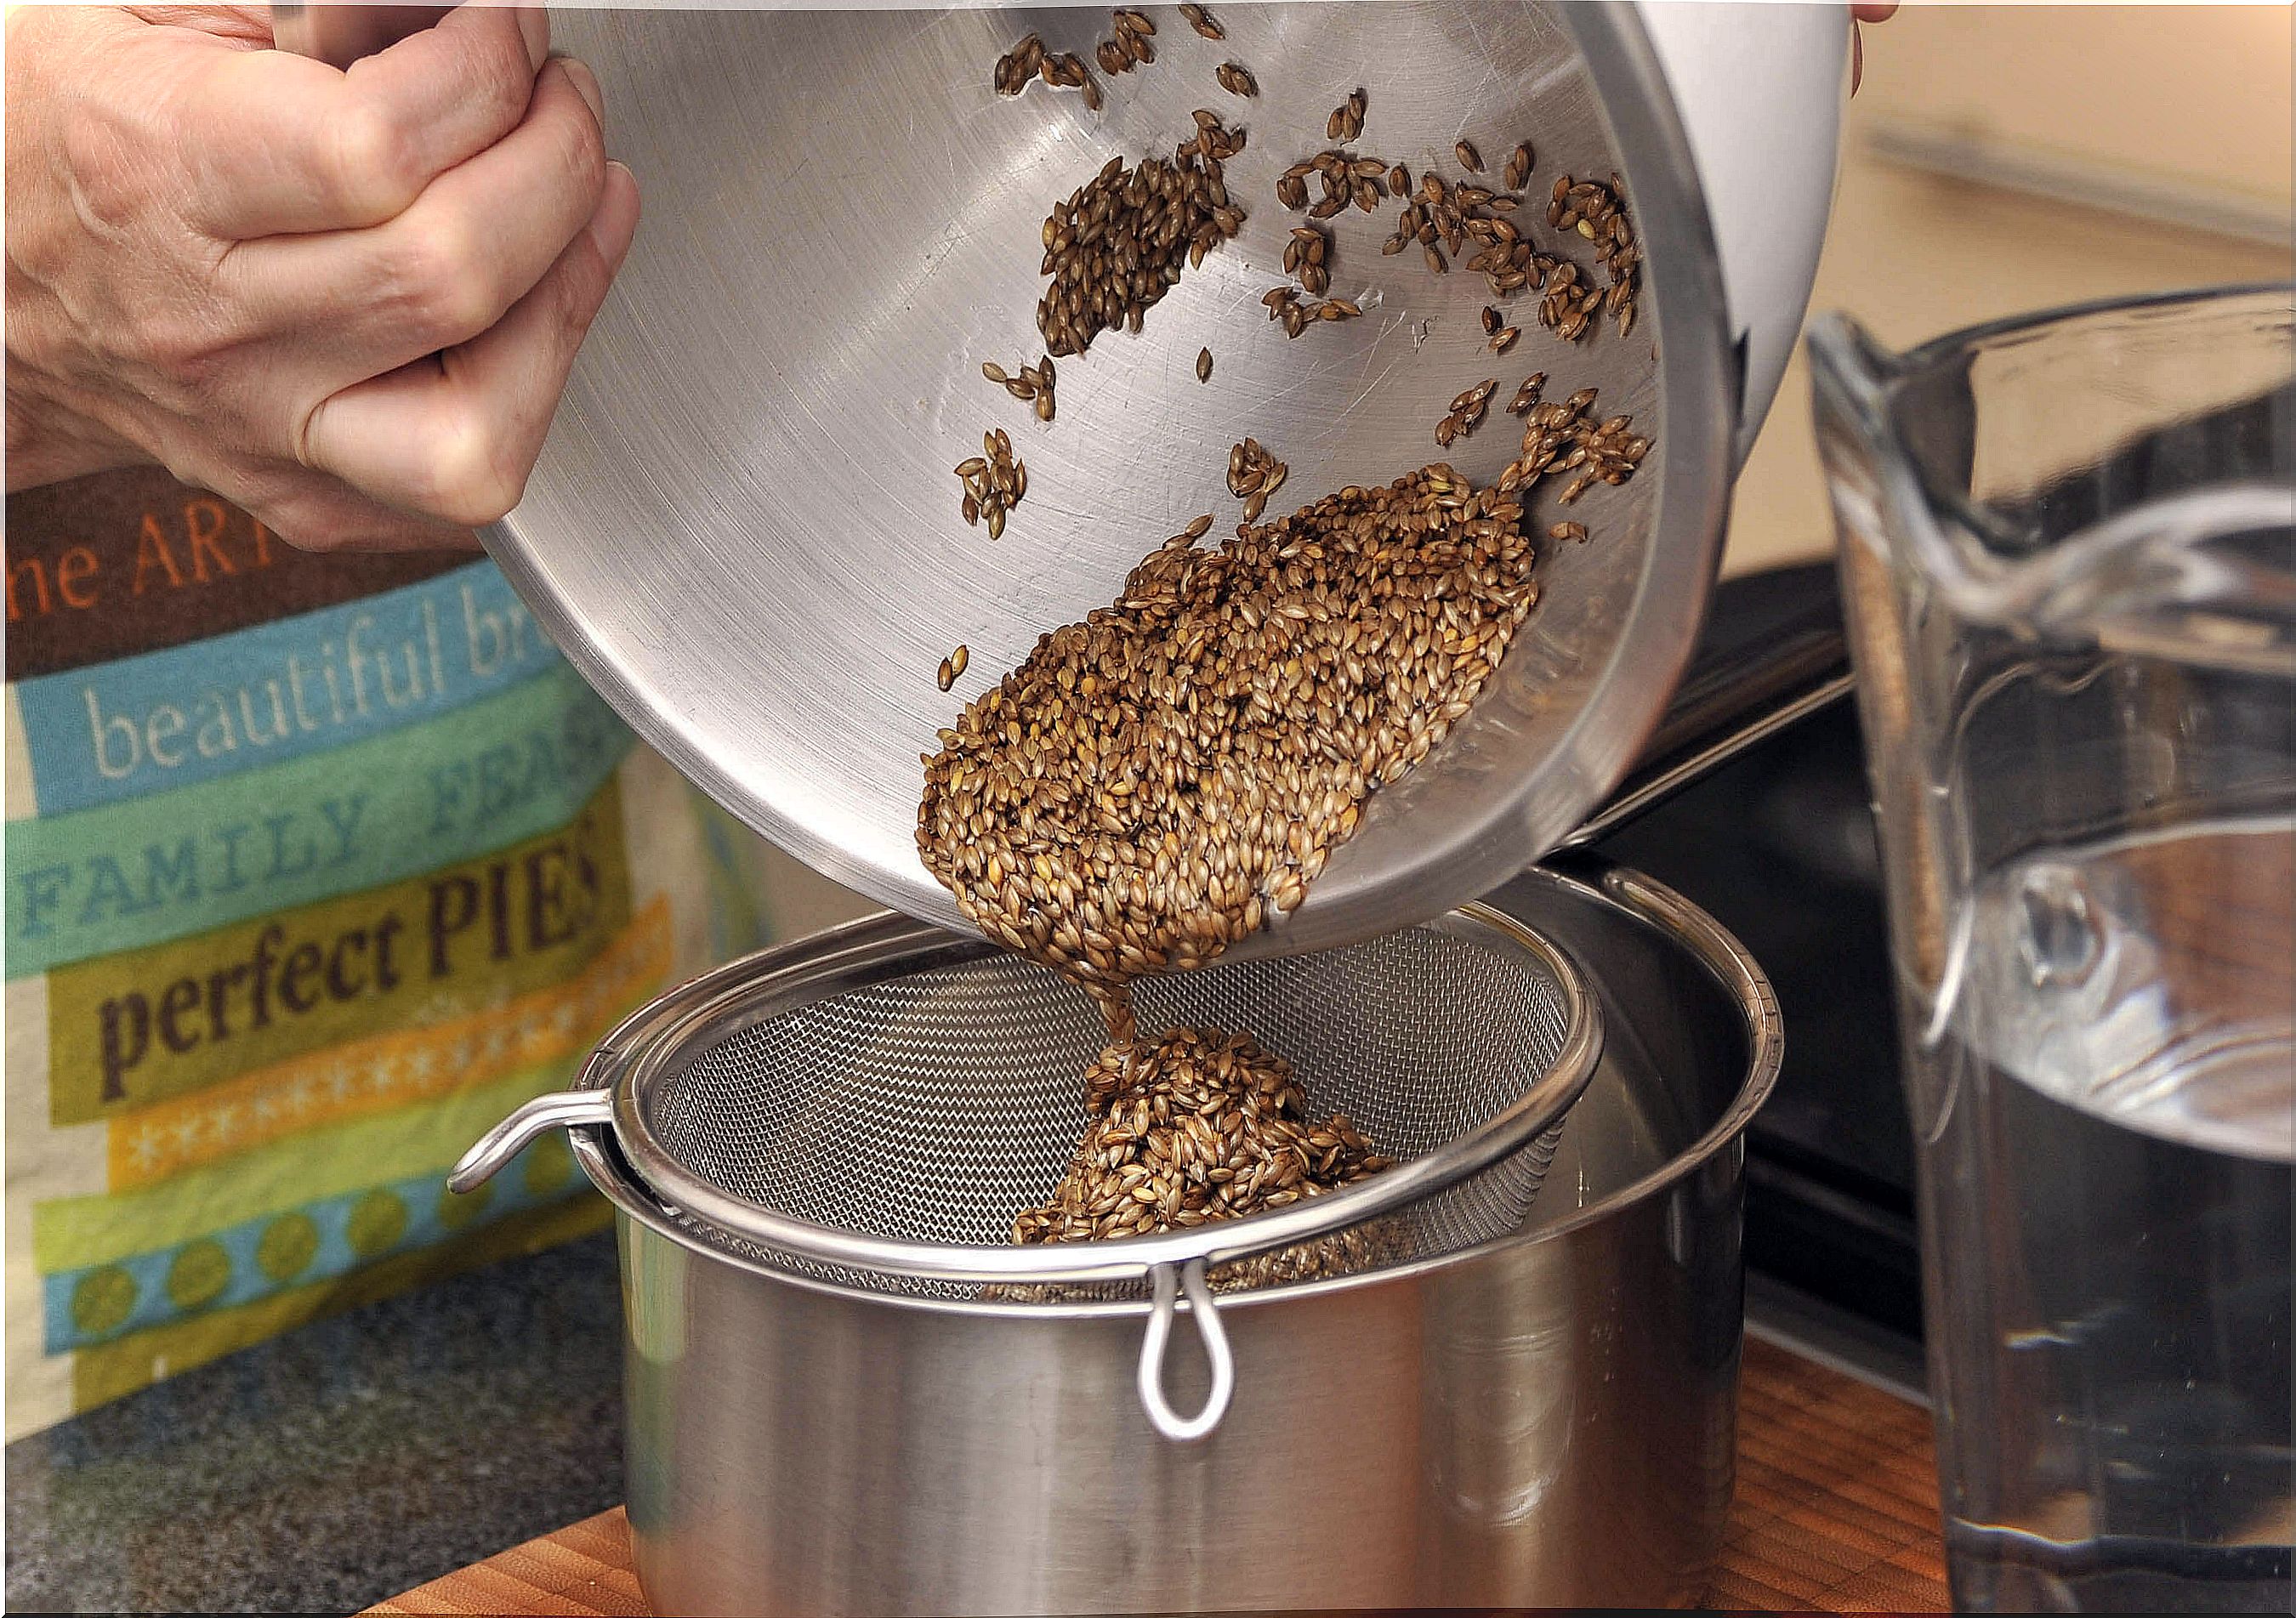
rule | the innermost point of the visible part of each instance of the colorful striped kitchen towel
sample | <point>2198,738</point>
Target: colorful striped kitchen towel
<point>315,865</point>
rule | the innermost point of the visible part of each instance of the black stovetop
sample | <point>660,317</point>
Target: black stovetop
<point>1779,847</point>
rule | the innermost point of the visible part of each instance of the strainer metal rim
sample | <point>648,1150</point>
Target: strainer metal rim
<point>1513,1128</point>
<point>706,1011</point>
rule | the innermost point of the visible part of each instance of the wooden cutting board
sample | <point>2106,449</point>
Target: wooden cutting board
<point>1836,1511</point>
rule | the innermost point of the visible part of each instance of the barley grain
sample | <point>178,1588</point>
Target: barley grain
<point>1118,244</point>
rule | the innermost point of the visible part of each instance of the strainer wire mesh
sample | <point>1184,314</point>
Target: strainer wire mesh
<point>928,1107</point>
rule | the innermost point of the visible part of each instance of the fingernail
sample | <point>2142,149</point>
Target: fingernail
<point>616,221</point>
<point>535,25</point>
<point>585,85</point>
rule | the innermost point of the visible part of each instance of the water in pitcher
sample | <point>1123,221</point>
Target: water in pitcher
<point>2118,1144</point>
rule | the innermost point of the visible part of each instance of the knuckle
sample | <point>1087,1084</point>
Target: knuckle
<point>483,52</point>
<point>580,154</point>
<point>434,281</point>
<point>476,478</point>
<point>575,296</point>
<point>372,165</point>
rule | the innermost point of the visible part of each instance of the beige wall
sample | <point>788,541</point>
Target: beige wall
<point>2180,109</point>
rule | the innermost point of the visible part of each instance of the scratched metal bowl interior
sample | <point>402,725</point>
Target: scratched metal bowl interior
<point>745,529</point>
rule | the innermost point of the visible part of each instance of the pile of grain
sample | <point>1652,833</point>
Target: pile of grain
<point>1195,1126</point>
<point>1150,782</point>
<point>1157,781</point>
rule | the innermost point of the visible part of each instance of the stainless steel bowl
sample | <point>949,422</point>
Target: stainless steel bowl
<point>744,530</point>
<point>1543,1420</point>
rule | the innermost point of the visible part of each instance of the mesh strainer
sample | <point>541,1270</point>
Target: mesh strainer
<point>869,1111</point>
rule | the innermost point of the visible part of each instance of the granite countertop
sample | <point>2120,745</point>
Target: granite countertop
<point>343,1463</point>
<point>359,1456</point>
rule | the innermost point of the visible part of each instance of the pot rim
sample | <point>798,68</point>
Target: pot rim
<point>1587,876</point>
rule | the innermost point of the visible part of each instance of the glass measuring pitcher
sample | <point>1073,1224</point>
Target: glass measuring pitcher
<point>2068,554</point>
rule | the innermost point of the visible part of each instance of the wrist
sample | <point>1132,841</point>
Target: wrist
<point>50,434</point>
<point>48,442</point>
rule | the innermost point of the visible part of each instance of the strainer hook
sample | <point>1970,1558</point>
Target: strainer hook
<point>558,1109</point>
<point>1162,1416</point>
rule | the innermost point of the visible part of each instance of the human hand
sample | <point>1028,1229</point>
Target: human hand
<point>346,301</point>
<point>1864,11</point>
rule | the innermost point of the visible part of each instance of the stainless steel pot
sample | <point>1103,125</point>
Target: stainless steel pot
<point>1545,1419</point>
<point>873,1107</point>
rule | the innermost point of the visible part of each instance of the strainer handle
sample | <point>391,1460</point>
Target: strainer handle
<point>560,1110</point>
<point>1162,1416</point>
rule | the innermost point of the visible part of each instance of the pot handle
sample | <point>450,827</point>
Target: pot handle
<point>558,1109</point>
<point>1774,652</point>
<point>1162,1416</point>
